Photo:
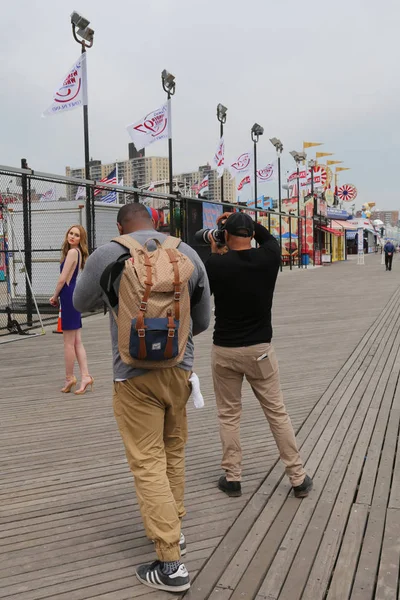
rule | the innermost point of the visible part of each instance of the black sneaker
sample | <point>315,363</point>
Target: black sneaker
<point>231,488</point>
<point>152,576</point>
<point>302,490</point>
<point>182,545</point>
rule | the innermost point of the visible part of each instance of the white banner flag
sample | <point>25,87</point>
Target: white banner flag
<point>81,193</point>
<point>219,158</point>
<point>203,187</point>
<point>242,166</point>
<point>303,175</point>
<point>48,196</point>
<point>72,93</point>
<point>269,173</point>
<point>153,127</point>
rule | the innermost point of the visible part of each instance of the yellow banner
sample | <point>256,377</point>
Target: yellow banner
<point>334,162</point>
<point>342,169</point>
<point>321,154</point>
<point>311,144</point>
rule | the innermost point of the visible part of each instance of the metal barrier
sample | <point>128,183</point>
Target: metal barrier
<point>37,209</point>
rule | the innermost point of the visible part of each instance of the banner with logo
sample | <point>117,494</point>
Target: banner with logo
<point>303,175</point>
<point>211,212</point>
<point>244,182</point>
<point>360,236</point>
<point>219,158</point>
<point>155,126</point>
<point>242,166</point>
<point>269,173</point>
<point>72,92</point>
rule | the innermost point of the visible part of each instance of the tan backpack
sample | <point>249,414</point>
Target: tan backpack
<point>153,302</point>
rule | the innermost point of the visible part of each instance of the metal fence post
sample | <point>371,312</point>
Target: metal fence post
<point>26,211</point>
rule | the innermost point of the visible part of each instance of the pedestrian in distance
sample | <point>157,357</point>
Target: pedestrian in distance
<point>389,251</point>
<point>243,283</point>
<point>157,292</point>
<point>74,253</point>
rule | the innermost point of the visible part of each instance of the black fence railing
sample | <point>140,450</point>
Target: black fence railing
<point>37,209</point>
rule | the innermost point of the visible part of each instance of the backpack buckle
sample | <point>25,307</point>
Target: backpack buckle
<point>177,296</point>
<point>143,306</point>
<point>171,333</point>
<point>141,333</point>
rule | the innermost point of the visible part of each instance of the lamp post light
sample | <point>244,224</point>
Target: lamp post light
<point>311,164</point>
<point>279,149</point>
<point>169,85</point>
<point>84,36</point>
<point>298,158</point>
<point>256,131</point>
<point>221,116</point>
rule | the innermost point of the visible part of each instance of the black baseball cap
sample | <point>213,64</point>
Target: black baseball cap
<point>240,224</point>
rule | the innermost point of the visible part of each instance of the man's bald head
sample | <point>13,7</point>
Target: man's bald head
<point>133,217</point>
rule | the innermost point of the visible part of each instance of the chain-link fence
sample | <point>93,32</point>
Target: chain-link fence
<point>37,209</point>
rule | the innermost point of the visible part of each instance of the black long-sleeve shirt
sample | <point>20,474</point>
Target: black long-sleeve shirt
<point>243,284</point>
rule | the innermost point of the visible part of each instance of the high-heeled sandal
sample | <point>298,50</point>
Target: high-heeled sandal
<point>70,384</point>
<point>81,392</point>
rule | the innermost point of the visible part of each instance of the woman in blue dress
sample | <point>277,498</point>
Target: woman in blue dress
<point>74,253</point>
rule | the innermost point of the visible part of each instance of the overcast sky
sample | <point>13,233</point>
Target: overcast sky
<point>310,70</point>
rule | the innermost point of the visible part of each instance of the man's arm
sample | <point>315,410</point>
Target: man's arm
<point>200,302</point>
<point>267,242</point>
<point>88,293</point>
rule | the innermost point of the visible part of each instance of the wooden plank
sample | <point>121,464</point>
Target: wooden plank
<point>388,575</point>
<point>346,565</point>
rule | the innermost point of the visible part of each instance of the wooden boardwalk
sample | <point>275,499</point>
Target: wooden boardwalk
<point>69,522</point>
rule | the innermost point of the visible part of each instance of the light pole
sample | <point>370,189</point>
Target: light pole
<point>311,165</point>
<point>279,149</point>
<point>221,116</point>
<point>298,158</point>
<point>84,36</point>
<point>168,83</point>
<point>256,131</point>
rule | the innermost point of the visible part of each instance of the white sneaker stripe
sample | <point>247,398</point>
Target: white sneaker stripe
<point>157,577</point>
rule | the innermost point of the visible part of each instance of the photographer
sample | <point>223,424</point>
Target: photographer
<point>243,282</point>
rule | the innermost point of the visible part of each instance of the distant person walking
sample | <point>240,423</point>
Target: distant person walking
<point>74,253</point>
<point>389,250</point>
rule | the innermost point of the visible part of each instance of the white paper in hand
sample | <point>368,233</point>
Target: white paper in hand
<point>196,394</point>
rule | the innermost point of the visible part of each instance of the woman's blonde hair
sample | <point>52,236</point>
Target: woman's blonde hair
<point>82,244</point>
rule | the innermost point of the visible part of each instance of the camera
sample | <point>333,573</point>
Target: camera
<point>218,235</point>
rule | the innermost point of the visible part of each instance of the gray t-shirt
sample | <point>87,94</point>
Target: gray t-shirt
<point>88,296</point>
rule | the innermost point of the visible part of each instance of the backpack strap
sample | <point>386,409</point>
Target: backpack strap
<point>173,259</point>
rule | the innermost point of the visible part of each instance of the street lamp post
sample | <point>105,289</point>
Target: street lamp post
<point>169,85</point>
<point>279,149</point>
<point>84,36</point>
<point>311,165</point>
<point>256,131</point>
<point>221,116</point>
<point>298,158</point>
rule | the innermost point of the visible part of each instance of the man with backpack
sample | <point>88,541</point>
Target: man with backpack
<point>389,250</point>
<point>157,291</point>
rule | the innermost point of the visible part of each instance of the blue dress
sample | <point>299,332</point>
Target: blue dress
<point>70,318</point>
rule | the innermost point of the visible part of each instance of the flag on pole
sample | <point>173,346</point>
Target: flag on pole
<point>244,182</point>
<point>109,198</point>
<point>111,179</point>
<point>334,162</point>
<point>219,158</point>
<point>81,193</point>
<point>195,187</point>
<point>155,126</point>
<point>203,187</point>
<point>48,196</point>
<point>342,169</point>
<point>269,173</point>
<point>311,144</point>
<point>72,92</point>
<point>322,154</point>
<point>242,166</point>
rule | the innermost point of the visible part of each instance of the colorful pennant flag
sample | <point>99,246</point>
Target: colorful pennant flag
<point>311,144</point>
<point>111,179</point>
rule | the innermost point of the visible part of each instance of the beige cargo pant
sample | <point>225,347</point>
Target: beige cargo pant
<point>151,414</point>
<point>229,366</point>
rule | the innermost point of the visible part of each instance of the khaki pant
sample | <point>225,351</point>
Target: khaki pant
<point>229,366</point>
<point>151,414</point>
